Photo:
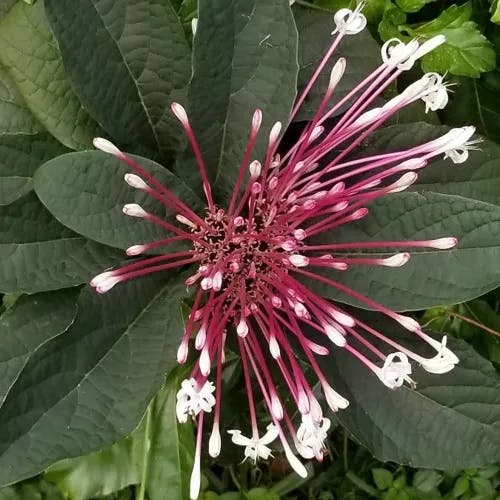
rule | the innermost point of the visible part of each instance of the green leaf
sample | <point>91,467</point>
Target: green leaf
<point>23,144</point>
<point>101,473</point>
<point>31,56</point>
<point>362,53</point>
<point>171,451</point>
<point>160,448</point>
<point>495,12</point>
<point>466,51</point>
<point>27,325</point>
<point>431,277</point>
<point>412,5</point>
<point>382,478</point>
<point>141,53</point>
<point>87,388</point>
<point>260,494</point>
<point>450,421</point>
<point>86,192</point>
<point>475,102</point>
<point>483,487</point>
<point>389,26</point>
<point>15,117</point>
<point>478,178</point>
<point>38,254</point>
<point>426,480</point>
<point>244,58</point>
<point>461,486</point>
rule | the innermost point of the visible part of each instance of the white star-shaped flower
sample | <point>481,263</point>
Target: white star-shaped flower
<point>255,447</point>
<point>192,399</point>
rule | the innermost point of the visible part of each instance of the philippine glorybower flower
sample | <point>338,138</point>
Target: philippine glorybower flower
<point>251,258</point>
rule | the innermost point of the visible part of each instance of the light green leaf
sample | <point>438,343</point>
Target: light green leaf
<point>450,421</point>
<point>382,478</point>
<point>171,451</point>
<point>38,254</point>
<point>86,192</point>
<point>495,12</point>
<point>85,389</point>
<point>412,5</point>
<point>31,56</point>
<point>101,473</point>
<point>466,51</point>
<point>28,324</point>
<point>244,58</point>
<point>127,62</point>
<point>362,53</point>
<point>431,277</point>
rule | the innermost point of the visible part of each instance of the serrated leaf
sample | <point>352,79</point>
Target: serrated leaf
<point>431,277</point>
<point>466,51</point>
<point>361,52</point>
<point>412,5</point>
<point>478,178</point>
<point>28,324</point>
<point>86,192</point>
<point>38,254</point>
<point>450,421</point>
<point>89,387</point>
<point>28,51</point>
<point>244,58</point>
<point>139,49</point>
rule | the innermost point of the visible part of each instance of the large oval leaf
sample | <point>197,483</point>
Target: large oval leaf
<point>28,324</point>
<point>244,57</point>
<point>127,61</point>
<point>38,254</point>
<point>450,421</point>
<point>85,389</point>
<point>478,178</point>
<point>29,52</point>
<point>86,192</point>
<point>431,277</point>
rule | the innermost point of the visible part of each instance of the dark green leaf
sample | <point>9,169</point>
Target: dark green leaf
<point>478,178</point>
<point>466,51</point>
<point>127,61</point>
<point>431,277</point>
<point>31,56</point>
<point>449,421</point>
<point>245,57</point>
<point>28,324</point>
<point>87,388</point>
<point>15,117</point>
<point>38,254</point>
<point>475,102</point>
<point>382,478</point>
<point>361,52</point>
<point>86,192</point>
<point>171,452</point>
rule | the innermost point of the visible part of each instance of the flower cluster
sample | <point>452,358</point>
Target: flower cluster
<point>252,258</point>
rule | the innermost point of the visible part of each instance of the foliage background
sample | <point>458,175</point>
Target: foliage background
<point>52,104</point>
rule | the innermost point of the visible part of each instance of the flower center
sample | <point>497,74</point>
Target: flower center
<point>240,256</point>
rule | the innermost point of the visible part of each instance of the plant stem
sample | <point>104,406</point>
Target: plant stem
<point>474,323</point>
<point>145,453</point>
<point>361,484</point>
<point>346,443</point>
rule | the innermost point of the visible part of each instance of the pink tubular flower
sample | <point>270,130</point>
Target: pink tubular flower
<point>250,257</point>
